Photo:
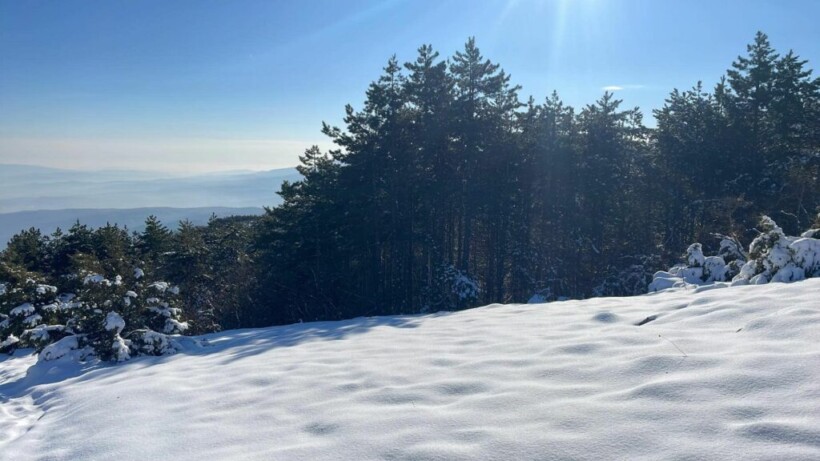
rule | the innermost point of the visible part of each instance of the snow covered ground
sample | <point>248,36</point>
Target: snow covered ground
<point>730,373</point>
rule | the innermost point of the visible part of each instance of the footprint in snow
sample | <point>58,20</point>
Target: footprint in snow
<point>17,416</point>
<point>605,317</point>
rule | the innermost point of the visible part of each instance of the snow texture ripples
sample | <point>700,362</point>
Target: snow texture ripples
<point>728,373</point>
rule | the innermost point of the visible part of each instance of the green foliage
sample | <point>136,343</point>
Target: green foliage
<point>154,243</point>
<point>111,319</point>
<point>25,303</point>
<point>27,249</point>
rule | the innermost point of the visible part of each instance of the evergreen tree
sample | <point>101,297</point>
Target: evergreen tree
<point>27,249</point>
<point>188,267</point>
<point>478,84</point>
<point>153,244</point>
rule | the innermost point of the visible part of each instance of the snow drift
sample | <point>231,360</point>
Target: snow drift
<point>726,373</point>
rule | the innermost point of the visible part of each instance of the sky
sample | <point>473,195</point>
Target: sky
<point>197,86</point>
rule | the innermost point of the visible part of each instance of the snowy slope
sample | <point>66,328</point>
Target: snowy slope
<point>731,373</point>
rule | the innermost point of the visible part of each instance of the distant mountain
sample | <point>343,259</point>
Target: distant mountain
<point>49,220</point>
<point>29,188</point>
<point>47,198</point>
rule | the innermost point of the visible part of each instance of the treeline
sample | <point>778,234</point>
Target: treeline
<point>446,190</point>
<point>210,266</point>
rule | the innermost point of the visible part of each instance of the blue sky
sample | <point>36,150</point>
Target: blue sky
<point>217,85</point>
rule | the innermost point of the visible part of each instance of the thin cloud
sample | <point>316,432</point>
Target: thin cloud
<point>622,87</point>
<point>184,155</point>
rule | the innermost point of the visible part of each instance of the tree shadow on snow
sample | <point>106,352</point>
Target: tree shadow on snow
<point>238,344</point>
<point>42,372</point>
<point>233,344</point>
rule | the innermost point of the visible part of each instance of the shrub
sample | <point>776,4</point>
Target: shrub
<point>111,319</point>
<point>451,289</point>
<point>772,257</point>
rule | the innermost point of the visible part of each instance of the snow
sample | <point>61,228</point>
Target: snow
<point>60,305</point>
<point>714,269</point>
<point>43,332</point>
<point>23,310</point>
<point>171,325</point>
<point>811,233</point>
<point>60,349</point>
<point>11,339</point>
<point>159,286</point>
<point>464,287</point>
<point>694,255</point>
<point>114,321</point>
<point>175,326</point>
<point>537,298</point>
<point>45,289</point>
<point>121,350</point>
<point>164,310</point>
<point>96,279</point>
<point>33,320</point>
<point>788,259</point>
<point>807,254</point>
<point>159,343</point>
<point>728,373</point>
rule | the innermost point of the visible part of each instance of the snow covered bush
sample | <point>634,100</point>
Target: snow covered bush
<point>31,312</point>
<point>119,321</point>
<point>451,289</point>
<point>111,319</point>
<point>542,296</point>
<point>772,257</point>
<point>700,269</point>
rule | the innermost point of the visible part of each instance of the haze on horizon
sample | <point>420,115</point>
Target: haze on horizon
<point>196,87</point>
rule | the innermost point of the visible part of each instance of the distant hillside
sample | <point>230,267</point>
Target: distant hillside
<point>49,220</point>
<point>28,188</point>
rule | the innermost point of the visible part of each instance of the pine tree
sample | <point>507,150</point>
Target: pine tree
<point>153,243</point>
<point>483,98</point>
<point>188,267</point>
<point>28,249</point>
<point>429,93</point>
<point>751,80</point>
